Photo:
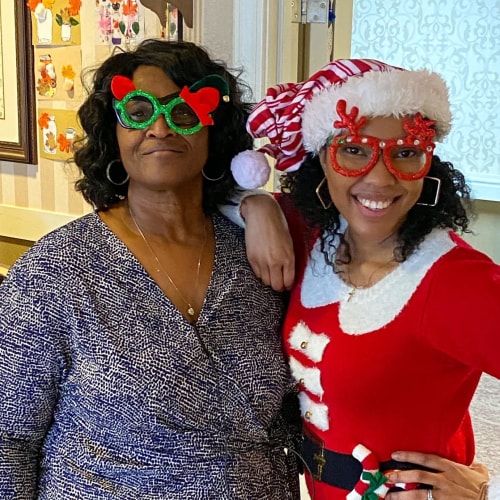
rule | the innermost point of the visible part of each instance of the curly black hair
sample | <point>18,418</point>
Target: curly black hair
<point>453,209</point>
<point>185,63</point>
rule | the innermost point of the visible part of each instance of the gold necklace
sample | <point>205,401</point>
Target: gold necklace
<point>160,268</point>
<point>354,287</point>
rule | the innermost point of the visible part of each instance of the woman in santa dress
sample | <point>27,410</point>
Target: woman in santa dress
<point>393,317</point>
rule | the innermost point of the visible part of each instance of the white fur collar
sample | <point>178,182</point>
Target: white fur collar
<point>383,301</point>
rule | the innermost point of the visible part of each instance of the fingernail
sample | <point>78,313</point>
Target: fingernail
<point>396,455</point>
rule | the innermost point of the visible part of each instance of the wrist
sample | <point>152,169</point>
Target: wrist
<point>255,201</point>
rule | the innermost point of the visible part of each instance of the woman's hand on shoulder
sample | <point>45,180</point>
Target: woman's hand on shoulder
<point>268,241</point>
<point>451,481</point>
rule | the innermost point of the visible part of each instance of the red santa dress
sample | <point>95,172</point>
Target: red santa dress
<point>394,366</point>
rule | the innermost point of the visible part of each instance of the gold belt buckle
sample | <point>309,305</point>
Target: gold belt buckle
<point>319,458</point>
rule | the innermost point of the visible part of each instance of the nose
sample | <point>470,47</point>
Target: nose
<point>159,128</point>
<point>379,174</point>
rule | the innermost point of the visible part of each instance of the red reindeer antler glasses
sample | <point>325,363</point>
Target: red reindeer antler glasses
<point>408,158</point>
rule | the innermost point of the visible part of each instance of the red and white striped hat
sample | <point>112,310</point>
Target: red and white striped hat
<point>298,118</point>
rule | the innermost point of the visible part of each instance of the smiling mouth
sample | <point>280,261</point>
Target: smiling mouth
<point>374,204</point>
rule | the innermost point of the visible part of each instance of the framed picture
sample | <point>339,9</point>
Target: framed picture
<point>17,91</point>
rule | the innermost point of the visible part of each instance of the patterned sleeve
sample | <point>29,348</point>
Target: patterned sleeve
<point>31,363</point>
<point>462,313</point>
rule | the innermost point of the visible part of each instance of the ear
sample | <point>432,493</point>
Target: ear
<point>323,158</point>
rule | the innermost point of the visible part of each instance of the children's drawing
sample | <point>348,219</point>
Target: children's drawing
<point>56,22</point>
<point>65,19</point>
<point>42,12</point>
<point>69,78</point>
<point>49,133</point>
<point>46,83</point>
<point>118,22</point>
<point>57,73</point>
<point>58,133</point>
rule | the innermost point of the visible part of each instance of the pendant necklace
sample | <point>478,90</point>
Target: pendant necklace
<point>160,269</point>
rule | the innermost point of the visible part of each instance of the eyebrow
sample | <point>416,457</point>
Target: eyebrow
<point>162,100</point>
<point>168,98</point>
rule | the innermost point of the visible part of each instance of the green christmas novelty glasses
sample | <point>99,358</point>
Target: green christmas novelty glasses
<point>186,112</point>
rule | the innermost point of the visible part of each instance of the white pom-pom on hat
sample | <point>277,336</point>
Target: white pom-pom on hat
<point>250,169</point>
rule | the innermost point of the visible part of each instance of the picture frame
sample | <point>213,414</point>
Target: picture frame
<point>18,116</point>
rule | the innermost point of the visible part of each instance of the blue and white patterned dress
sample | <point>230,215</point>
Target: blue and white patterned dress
<point>106,391</point>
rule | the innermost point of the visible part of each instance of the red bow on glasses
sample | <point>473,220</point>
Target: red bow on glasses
<point>121,86</point>
<point>203,102</point>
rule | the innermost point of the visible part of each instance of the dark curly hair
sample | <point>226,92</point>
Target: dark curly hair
<point>185,63</point>
<point>453,209</point>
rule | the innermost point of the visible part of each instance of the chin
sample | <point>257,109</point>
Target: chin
<point>375,230</point>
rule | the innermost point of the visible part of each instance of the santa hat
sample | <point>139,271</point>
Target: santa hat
<point>298,118</point>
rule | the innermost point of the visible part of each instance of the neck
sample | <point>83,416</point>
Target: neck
<point>365,250</point>
<point>363,262</point>
<point>168,218</point>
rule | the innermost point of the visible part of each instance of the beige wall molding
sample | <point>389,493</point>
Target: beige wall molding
<point>28,223</point>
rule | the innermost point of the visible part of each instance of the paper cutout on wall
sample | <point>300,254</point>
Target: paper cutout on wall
<point>119,22</point>
<point>186,8</point>
<point>55,22</point>
<point>57,73</point>
<point>173,24</point>
<point>159,7</point>
<point>57,132</point>
<point>162,8</point>
<point>168,17</point>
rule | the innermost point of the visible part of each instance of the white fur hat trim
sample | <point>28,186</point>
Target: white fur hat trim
<point>395,93</point>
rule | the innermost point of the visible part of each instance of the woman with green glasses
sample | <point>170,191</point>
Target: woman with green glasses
<point>140,357</point>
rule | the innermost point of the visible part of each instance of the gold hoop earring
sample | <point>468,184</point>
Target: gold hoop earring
<point>108,173</point>
<point>209,178</point>
<point>437,192</point>
<point>325,206</point>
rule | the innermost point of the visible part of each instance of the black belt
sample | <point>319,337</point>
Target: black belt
<point>342,470</point>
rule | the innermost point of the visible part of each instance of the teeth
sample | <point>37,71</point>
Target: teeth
<point>374,205</point>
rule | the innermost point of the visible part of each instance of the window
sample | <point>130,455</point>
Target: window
<point>459,40</point>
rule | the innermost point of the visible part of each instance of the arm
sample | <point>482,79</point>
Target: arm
<point>450,482</point>
<point>464,306</point>
<point>269,244</point>
<point>29,366</point>
<point>268,241</point>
